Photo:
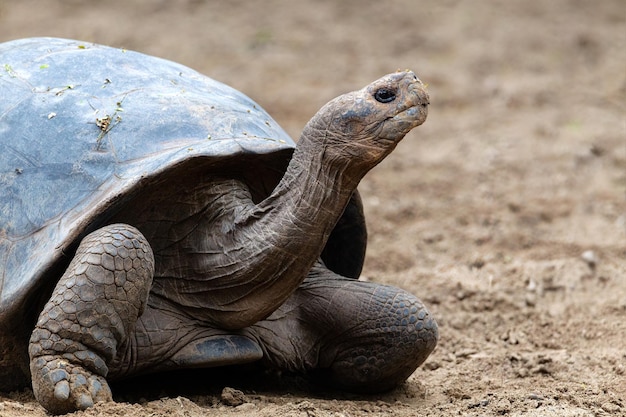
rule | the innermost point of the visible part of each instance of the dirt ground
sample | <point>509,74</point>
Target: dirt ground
<point>505,212</point>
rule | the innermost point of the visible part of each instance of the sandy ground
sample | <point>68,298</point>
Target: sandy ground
<point>505,212</point>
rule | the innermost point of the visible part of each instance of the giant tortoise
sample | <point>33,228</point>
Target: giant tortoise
<point>154,219</point>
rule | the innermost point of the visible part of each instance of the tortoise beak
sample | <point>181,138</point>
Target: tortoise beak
<point>413,110</point>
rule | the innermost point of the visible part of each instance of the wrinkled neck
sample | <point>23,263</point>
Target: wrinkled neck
<point>311,196</point>
<point>238,261</point>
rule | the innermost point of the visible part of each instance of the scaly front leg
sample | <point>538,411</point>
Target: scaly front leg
<point>92,311</point>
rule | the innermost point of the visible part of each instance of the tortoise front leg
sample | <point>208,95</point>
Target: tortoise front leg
<point>92,311</point>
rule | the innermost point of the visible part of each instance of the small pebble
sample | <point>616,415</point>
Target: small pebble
<point>481,403</point>
<point>232,397</point>
<point>246,407</point>
<point>432,365</point>
<point>610,407</point>
<point>590,258</point>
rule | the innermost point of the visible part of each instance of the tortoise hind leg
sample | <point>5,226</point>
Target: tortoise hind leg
<point>357,336</point>
<point>92,311</point>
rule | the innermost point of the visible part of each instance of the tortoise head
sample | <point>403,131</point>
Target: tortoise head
<point>360,128</point>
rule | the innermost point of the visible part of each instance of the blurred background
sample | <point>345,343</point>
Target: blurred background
<point>294,56</point>
<point>486,210</point>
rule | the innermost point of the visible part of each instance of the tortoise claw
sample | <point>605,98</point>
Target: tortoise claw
<point>62,387</point>
<point>62,390</point>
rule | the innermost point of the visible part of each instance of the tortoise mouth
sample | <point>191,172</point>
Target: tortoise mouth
<point>397,126</point>
<point>414,111</point>
<point>418,101</point>
<point>414,115</point>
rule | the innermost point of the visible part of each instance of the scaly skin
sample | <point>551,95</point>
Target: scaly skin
<point>219,261</point>
<point>359,336</point>
<point>94,306</point>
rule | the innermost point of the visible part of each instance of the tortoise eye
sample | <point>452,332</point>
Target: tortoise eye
<point>385,95</point>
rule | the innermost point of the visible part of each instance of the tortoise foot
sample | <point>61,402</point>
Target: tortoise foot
<point>85,327</point>
<point>62,387</point>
